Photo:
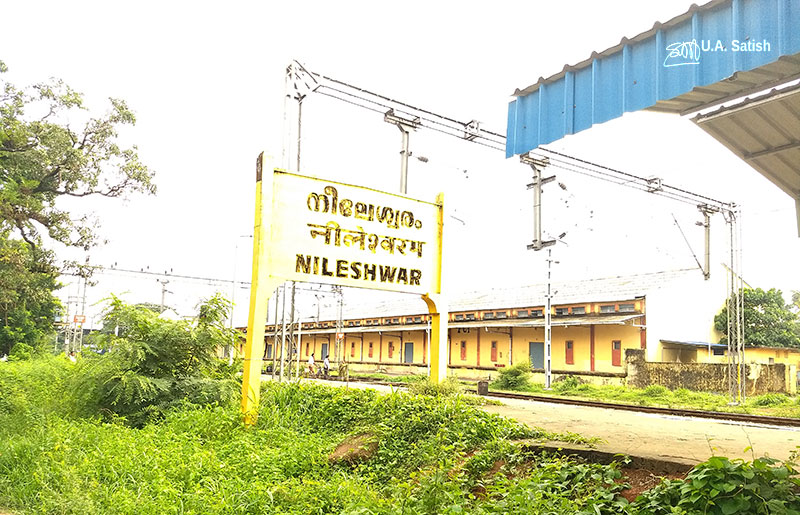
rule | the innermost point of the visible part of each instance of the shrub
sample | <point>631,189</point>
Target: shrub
<point>769,399</point>
<point>516,377</point>
<point>450,386</point>
<point>656,390</point>
<point>155,364</point>
<point>723,486</point>
<point>569,384</point>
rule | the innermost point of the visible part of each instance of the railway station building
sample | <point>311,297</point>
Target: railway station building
<point>669,315</point>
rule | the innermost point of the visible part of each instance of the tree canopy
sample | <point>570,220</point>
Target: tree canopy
<point>27,305</point>
<point>43,158</point>
<point>768,321</point>
<point>51,149</point>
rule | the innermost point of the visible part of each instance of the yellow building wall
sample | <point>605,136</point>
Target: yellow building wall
<point>456,337</point>
<point>579,335</point>
<point>394,340</point>
<point>581,338</point>
<point>373,338</point>
<point>704,356</point>
<point>417,337</point>
<point>763,354</point>
<point>316,346</point>
<point>629,336</point>
<point>352,347</point>
<point>522,337</point>
<point>581,348</point>
<point>755,355</point>
<point>502,339</point>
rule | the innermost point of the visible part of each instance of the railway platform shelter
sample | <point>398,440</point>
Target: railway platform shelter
<point>731,65</point>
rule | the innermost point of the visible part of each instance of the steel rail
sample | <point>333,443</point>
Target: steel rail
<point>678,412</point>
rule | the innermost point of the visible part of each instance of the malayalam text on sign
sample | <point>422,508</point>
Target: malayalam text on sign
<point>329,232</point>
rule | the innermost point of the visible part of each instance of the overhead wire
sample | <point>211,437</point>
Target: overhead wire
<point>451,131</point>
<point>359,97</point>
<point>636,177</point>
<point>398,102</point>
<point>589,172</point>
<point>208,280</point>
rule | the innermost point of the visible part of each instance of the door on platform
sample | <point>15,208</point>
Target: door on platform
<point>494,351</point>
<point>269,351</point>
<point>408,354</point>
<point>536,354</point>
<point>616,353</point>
<point>324,352</point>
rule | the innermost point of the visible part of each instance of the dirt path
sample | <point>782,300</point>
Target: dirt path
<point>656,436</point>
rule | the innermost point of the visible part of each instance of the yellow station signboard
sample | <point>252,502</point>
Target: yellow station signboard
<point>316,230</point>
<point>328,232</point>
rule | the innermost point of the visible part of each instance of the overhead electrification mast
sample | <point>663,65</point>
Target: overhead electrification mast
<point>300,81</point>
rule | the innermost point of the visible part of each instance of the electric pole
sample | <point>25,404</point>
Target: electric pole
<point>164,291</point>
<point>548,324</point>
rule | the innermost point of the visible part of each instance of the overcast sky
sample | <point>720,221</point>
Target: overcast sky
<point>206,82</point>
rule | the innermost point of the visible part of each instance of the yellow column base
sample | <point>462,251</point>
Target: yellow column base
<point>437,307</point>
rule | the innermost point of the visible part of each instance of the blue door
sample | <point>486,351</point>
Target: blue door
<point>536,353</point>
<point>324,352</point>
<point>408,355</point>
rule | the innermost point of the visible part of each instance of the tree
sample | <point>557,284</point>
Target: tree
<point>27,306</point>
<point>768,321</point>
<point>44,159</point>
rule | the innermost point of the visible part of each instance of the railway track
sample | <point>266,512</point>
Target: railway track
<point>676,412</point>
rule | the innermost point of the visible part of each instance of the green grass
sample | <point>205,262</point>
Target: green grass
<point>389,378</point>
<point>771,404</point>
<point>435,454</point>
<point>203,460</point>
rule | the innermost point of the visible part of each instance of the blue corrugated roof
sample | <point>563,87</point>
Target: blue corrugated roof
<point>687,63</point>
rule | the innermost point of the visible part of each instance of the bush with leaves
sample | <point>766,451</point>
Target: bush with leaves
<point>450,386</point>
<point>723,486</point>
<point>516,377</point>
<point>154,364</point>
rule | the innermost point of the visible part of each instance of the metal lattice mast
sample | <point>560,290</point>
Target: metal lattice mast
<point>737,377</point>
<point>292,341</point>
<point>275,336</point>
<point>283,334</point>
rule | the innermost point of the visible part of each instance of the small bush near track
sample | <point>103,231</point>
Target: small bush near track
<point>450,386</point>
<point>515,378</point>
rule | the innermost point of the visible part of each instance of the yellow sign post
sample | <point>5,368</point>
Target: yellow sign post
<point>310,229</point>
<point>260,286</point>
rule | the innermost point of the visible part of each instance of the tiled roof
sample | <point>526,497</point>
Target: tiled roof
<point>372,305</point>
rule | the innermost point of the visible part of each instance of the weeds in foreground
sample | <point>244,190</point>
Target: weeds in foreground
<point>435,454</point>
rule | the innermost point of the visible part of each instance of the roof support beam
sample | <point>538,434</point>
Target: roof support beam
<point>771,151</point>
